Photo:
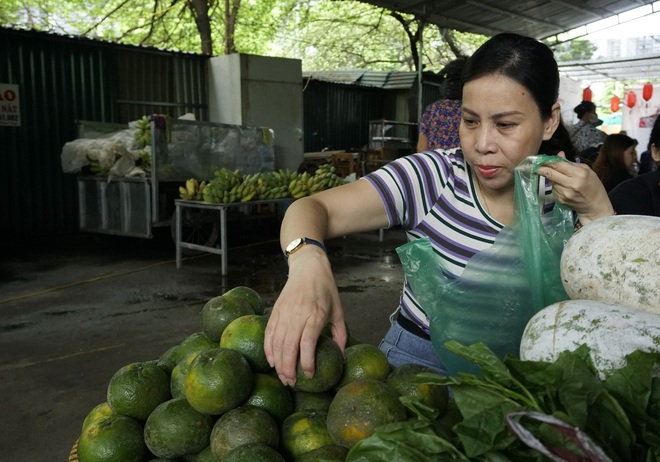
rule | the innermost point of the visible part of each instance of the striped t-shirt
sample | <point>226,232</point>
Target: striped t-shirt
<point>431,194</point>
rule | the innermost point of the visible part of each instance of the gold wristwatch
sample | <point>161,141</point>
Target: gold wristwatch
<point>297,244</point>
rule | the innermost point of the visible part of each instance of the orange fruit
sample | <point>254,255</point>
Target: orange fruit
<point>136,389</point>
<point>249,296</point>
<point>332,453</point>
<point>218,312</point>
<point>98,411</point>
<point>175,429</point>
<point>112,438</point>
<point>217,381</point>
<point>246,335</point>
<point>254,452</point>
<point>361,406</point>
<point>305,400</point>
<point>403,380</point>
<point>194,343</point>
<point>243,425</point>
<point>304,431</point>
<point>205,455</point>
<point>329,364</point>
<point>178,375</point>
<point>364,361</point>
<point>271,395</point>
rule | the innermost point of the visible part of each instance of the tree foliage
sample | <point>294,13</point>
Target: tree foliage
<point>324,34</point>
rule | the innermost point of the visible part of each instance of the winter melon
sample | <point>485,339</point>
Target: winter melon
<point>610,331</point>
<point>617,260</point>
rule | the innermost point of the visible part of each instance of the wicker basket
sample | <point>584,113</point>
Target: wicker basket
<point>73,455</point>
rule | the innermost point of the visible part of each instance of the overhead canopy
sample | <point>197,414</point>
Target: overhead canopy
<point>536,18</point>
<point>542,19</point>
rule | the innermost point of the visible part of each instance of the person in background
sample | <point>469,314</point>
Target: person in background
<point>438,128</point>
<point>641,195</point>
<point>616,160</point>
<point>460,199</point>
<point>585,136</point>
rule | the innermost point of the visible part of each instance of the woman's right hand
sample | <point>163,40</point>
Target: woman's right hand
<point>308,301</point>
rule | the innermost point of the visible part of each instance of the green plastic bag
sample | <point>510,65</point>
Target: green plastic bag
<point>503,286</point>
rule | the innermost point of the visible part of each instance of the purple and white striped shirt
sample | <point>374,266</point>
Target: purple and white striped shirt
<point>432,194</point>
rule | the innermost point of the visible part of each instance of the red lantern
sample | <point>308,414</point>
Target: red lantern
<point>586,94</point>
<point>631,99</point>
<point>647,91</point>
<point>614,105</point>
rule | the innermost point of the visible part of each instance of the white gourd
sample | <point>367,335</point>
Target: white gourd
<point>611,331</point>
<point>617,260</point>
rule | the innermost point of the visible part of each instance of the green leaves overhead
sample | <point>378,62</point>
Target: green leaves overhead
<point>324,34</point>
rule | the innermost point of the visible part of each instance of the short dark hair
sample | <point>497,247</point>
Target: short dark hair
<point>531,64</point>
<point>584,107</point>
<point>452,74</point>
<point>523,59</point>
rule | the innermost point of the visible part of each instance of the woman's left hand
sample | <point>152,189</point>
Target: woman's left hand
<point>577,186</point>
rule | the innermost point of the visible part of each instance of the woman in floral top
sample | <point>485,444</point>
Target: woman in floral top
<point>438,128</point>
<point>585,136</point>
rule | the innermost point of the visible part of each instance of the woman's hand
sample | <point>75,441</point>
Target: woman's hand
<point>577,186</point>
<point>308,301</point>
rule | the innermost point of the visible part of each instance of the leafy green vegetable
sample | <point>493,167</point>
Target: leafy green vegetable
<point>619,416</point>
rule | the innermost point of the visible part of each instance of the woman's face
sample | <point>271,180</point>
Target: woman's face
<point>630,157</point>
<point>501,125</point>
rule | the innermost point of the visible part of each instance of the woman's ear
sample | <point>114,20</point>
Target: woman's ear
<point>553,122</point>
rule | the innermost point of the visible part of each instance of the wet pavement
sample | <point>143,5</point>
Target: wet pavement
<point>76,308</point>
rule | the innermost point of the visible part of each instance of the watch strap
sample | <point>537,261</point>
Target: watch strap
<point>306,240</point>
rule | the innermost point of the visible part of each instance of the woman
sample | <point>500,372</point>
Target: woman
<point>641,195</point>
<point>585,136</point>
<point>438,128</point>
<point>460,199</point>
<point>616,160</point>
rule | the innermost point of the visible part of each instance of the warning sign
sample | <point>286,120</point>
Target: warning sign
<point>10,107</point>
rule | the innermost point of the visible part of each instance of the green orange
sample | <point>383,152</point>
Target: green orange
<point>112,438</point>
<point>217,381</point>
<point>246,335</point>
<point>271,395</point>
<point>175,429</point>
<point>218,312</point>
<point>304,431</point>
<point>243,425</point>
<point>361,406</point>
<point>329,367</point>
<point>405,381</point>
<point>364,361</point>
<point>136,389</point>
<point>249,296</point>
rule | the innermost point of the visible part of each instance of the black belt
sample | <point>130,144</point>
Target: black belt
<point>411,327</point>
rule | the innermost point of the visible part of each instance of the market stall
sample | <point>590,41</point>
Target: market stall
<point>128,179</point>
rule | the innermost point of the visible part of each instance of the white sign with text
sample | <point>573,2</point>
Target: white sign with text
<point>10,107</point>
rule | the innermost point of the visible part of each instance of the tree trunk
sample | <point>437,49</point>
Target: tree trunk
<point>200,10</point>
<point>231,14</point>
<point>413,37</point>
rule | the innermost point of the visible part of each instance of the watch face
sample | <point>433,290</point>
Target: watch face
<point>295,243</point>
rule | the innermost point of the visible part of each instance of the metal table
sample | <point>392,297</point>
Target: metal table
<point>180,204</point>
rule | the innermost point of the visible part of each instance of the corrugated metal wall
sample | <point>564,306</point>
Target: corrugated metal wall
<point>62,80</point>
<point>337,116</point>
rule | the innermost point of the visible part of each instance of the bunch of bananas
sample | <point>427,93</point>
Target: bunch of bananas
<point>222,189</point>
<point>96,167</point>
<point>305,184</point>
<point>143,132</point>
<point>193,191</point>
<point>231,186</point>
<point>274,185</point>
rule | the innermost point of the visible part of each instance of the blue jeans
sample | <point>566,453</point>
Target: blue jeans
<point>403,347</point>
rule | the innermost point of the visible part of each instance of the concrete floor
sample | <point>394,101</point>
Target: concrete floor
<point>75,309</point>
